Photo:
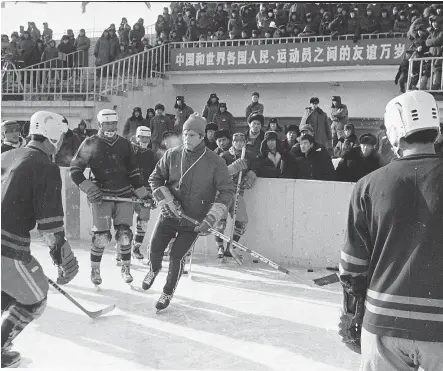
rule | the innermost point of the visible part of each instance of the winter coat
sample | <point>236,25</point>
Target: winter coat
<point>27,46</point>
<point>136,34</point>
<point>210,110</point>
<point>83,43</point>
<point>192,33</point>
<point>369,24</point>
<point>131,126</point>
<point>401,25</point>
<point>344,144</point>
<point>235,26</point>
<point>224,120</point>
<point>260,18</point>
<point>102,51</point>
<point>70,145</point>
<point>35,34</point>
<point>253,145</point>
<point>50,53</point>
<point>384,148</point>
<point>353,166</point>
<point>123,32</point>
<point>47,32</point>
<point>354,26</point>
<point>208,180</point>
<point>324,25</point>
<point>160,26</point>
<point>205,23</point>
<point>254,108</point>
<point>158,125</point>
<point>320,123</point>
<point>115,46</point>
<point>68,48</point>
<point>435,44</point>
<point>285,166</point>
<point>339,25</point>
<point>385,24</point>
<point>211,145</point>
<point>180,29</point>
<point>220,20</point>
<point>181,115</point>
<point>339,117</point>
<point>316,165</point>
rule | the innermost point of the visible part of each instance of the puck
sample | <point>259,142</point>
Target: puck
<point>255,261</point>
<point>310,270</point>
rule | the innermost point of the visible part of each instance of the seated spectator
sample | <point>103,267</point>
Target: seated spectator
<point>248,18</point>
<point>369,22</point>
<point>83,43</point>
<point>348,141</point>
<point>310,28</point>
<point>402,23</point>
<point>173,36</point>
<point>383,147</point>
<point>275,161</point>
<point>124,31</point>
<point>324,24</point>
<point>358,161</point>
<point>234,25</point>
<point>339,117</point>
<point>233,39</point>
<point>386,24</point>
<point>150,113</point>
<point>192,31</point>
<point>354,25</point>
<point>132,123</point>
<point>159,124</point>
<point>303,130</point>
<point>274,126</point>
<point>223,140</point>
<point>281,15</point>
<point>339,26</point>
<point>160,25</point>
<point>292,133</point>
<point>317,118</point>
<point>71,143</point>
<point>224,119</point>
<point>314,163</point>
<point>402,73</point>
<point>268,23</point>
<point>255,135</point>
<point>261,16</point>
<point>279,32</point>
<point>46,31</point>
<point>255,106</point>
<point>211,107</point>
<point>136,33</point>
<point>210,141</point>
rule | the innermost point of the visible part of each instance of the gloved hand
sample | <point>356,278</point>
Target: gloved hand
<point>143,194</point>
<point>66,262</point>
<point>351,320</point>
<point>237,166</point>
<point>249,180</point>
<point>214,215</point>
<point>342,139</point>
<point>94,193</point>
<point>396,81</point>
<point>170,207</point>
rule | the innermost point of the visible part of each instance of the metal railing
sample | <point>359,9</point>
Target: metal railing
<point>63,60</point>
<point>425,74</point>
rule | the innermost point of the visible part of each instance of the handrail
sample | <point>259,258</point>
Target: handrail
<point>53,61</point>
<point>426,75</point>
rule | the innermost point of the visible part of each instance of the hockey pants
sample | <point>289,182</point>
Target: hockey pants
<point>240,223</point>
<point>164,231</point>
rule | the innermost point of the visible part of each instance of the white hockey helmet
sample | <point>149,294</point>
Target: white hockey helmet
<point>49,125</point>
<point>107,115</point>
<point>409,113</point>
<point>143,131</point>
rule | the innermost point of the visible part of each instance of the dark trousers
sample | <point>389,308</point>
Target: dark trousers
<point>164,231</point>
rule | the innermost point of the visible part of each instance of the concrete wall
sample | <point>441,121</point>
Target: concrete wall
<point>290,221</point>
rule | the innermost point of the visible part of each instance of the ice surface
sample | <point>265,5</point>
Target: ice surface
<point>225,318</point>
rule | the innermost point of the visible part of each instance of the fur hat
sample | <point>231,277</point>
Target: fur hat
<point>350,127</point>
<point>314,100</point>
<point>336,98</point>
<point>213,95</point>
<point>308,128</point>
<point>242,135</point>
<point>159,106</point>
<point>368,139</point>
<point>180,97</point>
<point>256,117</point>
<point>211,126</point>
<point>273,120</point>
<point>195,122</point>
<point>137,109</point>
<point>293,128</point>
<point>271,135</point>
<point>223,133</point>
<point>256,94</point>
<point>150,110</point>
<point>307,137</point>
<point>223,104</point>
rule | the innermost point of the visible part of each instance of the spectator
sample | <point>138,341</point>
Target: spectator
<point>324,24</point>
<point>354,24</point>
<point>71,35</point>
<point>386,24</point>
<point>71,143</point>
<point>132,123</point>
<point>438,144</point>
<point>422,20</point>
<point>435,44</point>
<point>81,131</point>
<point>383,147</point>
<point>281,15</point>
<point>83,44</point>
<point>303,130</point>
<point>65,48</point>
<point>220,18</point>
<point>160,25</point>
<point>159,125</point>
<point>348,141</point>
<point>136,33</point>
<point>339,117</point>
<point>180,27</point>
<point>122,53</point>
<point>34,32</point>
<point>402,74</point>
<point>168,141</point>
<point>292,133</point>
<point>211,107</point>
<point>210,141</point>
<point>50,53</point>
<point>261,16</point>
<point>5,45</point>
<point>10,131</point>
<point>192,31</point>
<point>203,9</point>
<point>27,47</point>
<point>136,47</point>
<point>141,27</point>
<point>298,10</point>
<point>188,16</point>
<point>358,161</point>
<point>269,24</point>
<point>369,23</point>
<point>46,31</point>
<point>102,50</point>
<point>150,113</point>
<point>205,22</point>
<point>234,25</point>
<point>247,19</point>
<point>224,119</point>
<point>223,140</point>
<point>274,126</point>
<point>22,32</point>
<point>124,32</point>
<point>168,20</point>
<point>310,28</point>
<point>339,26</point>
<point>314,163</point>
<point>255,106</point>
<point>182,113</point>
<point>39,49</point>
<point>419,66</point>
<point>255,135</point>
<point>318,119</point>
<point>114,44</point>
<point>401,24</point>
<point>173,36</point>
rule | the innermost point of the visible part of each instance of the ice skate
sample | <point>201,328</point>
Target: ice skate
<point>126,274</point>
<point>149,280</point>
<point>163,302</point>
<point>221,252</point>
<point>136,251</point>
<point>95,277</point>
<point>10,359</point>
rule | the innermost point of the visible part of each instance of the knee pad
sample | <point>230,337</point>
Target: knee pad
<point>101,239</point>
<point>240,228</point>
<point>142,225</point>
<point>123,234</point>
<point>221,225</point>
<point>35,310</point>
<point>7,301</point>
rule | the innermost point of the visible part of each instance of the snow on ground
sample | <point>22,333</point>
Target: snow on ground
<point>225,317</point>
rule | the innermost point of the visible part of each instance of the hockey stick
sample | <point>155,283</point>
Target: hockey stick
<point>239,245</point>
<point>234,213</point>
<point>95,314</point>
<point>127,199</point>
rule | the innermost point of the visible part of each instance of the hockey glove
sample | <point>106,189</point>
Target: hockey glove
<point>237,166</point>
<point>170,207</point>
<point>94,193</point>
<point>249,180</point>
<point>66,262</point>
<point>351,320</point>
<point>143,194</point>
<point>214,215</point>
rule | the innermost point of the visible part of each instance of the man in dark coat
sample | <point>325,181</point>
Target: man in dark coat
<point>318,119</point>
<point>255,135</point>
<point>133,123</point>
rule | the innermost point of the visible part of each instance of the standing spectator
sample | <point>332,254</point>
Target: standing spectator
<point>255,106</point>
<point>71,143</point>
<point>292,133</point>
<point>65,48</point>
<point>168,20</point>
<point>383,147</point>
<point>298,10</point>
<point>281,15</point>
<point>314,163</point>
<point>114,44</point>
<point>224,119</point>
<point>386,24</point>
<point>423,20</point>
<point>211,107</point>
<point>160,25</point>
<point>182,113</point>
<point>71,35</point>
<point>402,74</point>
<point>192,31</point>
<point>205,22</point>
<point>159,125</point>
<point>180,27</point>
<point>324,24</point>
<point>50,53</point>
<point>124,31</point>
<point>22,31</point>
<point>354,24</point>
<point>102,51</point>
<point>132,123</point>
<point>402,23</point>
<point>220,18</point>
<point>255,135</point>
<point>339,117</point>
<point>34,32</point>
<point>39,50</point>
<point>5,45</point>
<point>83,44</point>
<point>210,141</point>
<point>150,113</point>
<point>247,19</point>
<point>347,142</point>
<point>81,131</point>
<point>46,31</point>
<point>369,22</point>
<point>268,23</point>
<point>136,33</point>
<point>234,25</point>
<point>223,140</point>
<point>318,119</point>
<point>274,126</point>
<point>141,27</point>
<point>27,47</point>
<point>435,44</point>
<point>122,53</point>
<point>261,16</point>
<point>188,16</point>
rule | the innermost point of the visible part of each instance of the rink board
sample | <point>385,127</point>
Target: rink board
<point>299,222</point>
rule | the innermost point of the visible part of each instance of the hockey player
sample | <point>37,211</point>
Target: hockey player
<point>192,179</point>
<point>146,160</point>
<point>11,136</point>
<point>114,167</point>
<point>223,140</point>
<point>31,194</point>
<point>391,262</point>
<point>248,166</point>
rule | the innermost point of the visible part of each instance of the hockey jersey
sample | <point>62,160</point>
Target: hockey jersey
<point>31,194</point>
<point>394,239</point>
<point>146,160</point>
<point>112,163</point>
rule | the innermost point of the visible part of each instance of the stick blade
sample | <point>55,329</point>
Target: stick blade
<point>101,311</point>
<point>327,280</point>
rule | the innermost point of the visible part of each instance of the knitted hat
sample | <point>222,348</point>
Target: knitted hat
<point>271,135</point>
<point>195,122</point>
<point>159,106</point>
<point>223,133</point>
<point>308,128</point>
<point>211,126</point>
<point>256,117</point>
<point>256,94</point>
<point>222,104</point>
<point>314,100</point>
<point>293,128</point>
<point>9,123</point>
<point>368,139</point>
